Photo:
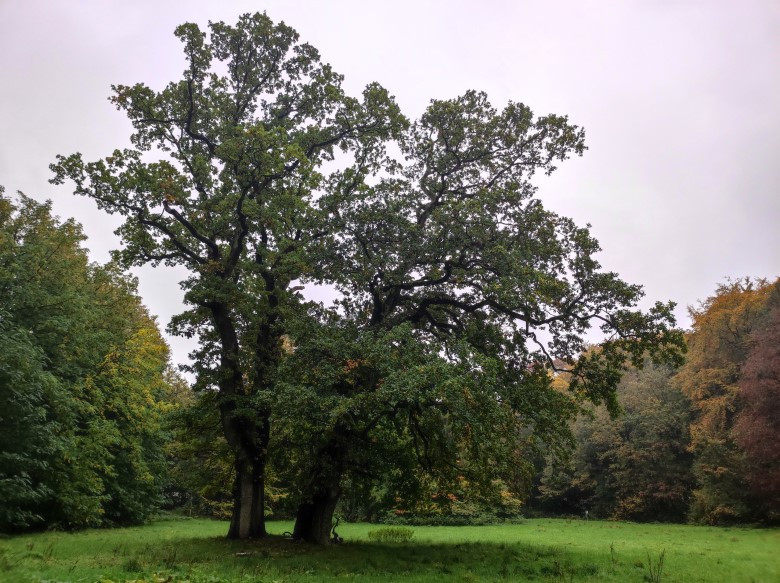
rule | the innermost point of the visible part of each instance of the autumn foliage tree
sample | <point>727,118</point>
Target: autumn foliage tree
<point>720,344</point>
<point>757,426</point>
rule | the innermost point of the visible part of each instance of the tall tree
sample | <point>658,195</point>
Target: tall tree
<point>719,345</point>
<point>243,137</point>
<point>81,380</point>
<point>460,293</point>
<point>446,253</point>
<point>757,427</point>
<point>27,392</point>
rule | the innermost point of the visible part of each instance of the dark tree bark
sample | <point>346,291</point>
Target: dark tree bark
<point>250,447</point>
<point>248,437</point>
<point>248,520</point>
<point>314,520</point>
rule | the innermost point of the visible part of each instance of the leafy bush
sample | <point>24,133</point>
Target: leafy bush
<point>392,534</point>
<point>454,519</point>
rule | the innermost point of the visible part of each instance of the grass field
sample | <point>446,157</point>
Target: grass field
<point>194,551</point>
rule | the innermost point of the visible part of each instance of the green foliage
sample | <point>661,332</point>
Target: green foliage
<point>474,516</point>
<point>81,381</point>
<point>451,272</point>
<point>655,567</point>
<point>201,472</point>
<point>460,292</point>
<point>459,504</point>
<point>636,466</point>
<point>243,137</point>
<point>26,390</point>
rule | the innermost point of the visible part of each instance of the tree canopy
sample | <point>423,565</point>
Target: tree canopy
<point>232,203</point>
<point>728,328</point>
<point>451,261</point>
<point>460,294</point>
<point>81,381</point>
<point>757,424</point>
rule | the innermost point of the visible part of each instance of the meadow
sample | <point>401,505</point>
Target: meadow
<point>195,551</point>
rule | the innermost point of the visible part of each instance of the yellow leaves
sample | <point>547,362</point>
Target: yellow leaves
<point>288,347</point>
<point>169,190</point>
<point>352,364</point>
<point>719,343</point>
<point>560,382</point>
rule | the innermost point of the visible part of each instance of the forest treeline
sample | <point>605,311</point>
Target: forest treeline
<point>84,380</point>
<point>699,443</point>
<point>97,429</point>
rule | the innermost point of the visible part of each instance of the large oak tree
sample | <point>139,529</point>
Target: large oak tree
<point>452,275</point>
<point>460,296</point>
<point>219,180</point>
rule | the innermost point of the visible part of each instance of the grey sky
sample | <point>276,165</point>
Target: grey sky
<point>680,100</point>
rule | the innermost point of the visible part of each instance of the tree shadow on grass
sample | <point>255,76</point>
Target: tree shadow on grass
<point>367,561</point>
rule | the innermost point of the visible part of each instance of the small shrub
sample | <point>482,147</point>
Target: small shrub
<point>454,519</point>
<point>391,534</point>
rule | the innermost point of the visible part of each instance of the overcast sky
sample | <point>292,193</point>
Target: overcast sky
<point>680,101</point>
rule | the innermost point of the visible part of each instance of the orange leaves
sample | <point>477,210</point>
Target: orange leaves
<point>352,364</point>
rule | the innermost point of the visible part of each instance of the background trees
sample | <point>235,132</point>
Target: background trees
<point>26,390</point>
<point>83,389</point>
<point>700,442</point>
<point>719,345</point>
<point>757,426</point>
<point>635,466</point>
<point>81,381</point>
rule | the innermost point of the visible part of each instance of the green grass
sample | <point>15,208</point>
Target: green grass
<point>175,551</point>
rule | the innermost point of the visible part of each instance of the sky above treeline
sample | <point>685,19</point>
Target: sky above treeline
<point>680,100</point>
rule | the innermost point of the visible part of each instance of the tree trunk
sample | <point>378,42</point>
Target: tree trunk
<point>248,434</point>
<point>314,519</point>
<point>250,443</point>
<point>248,518</point>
